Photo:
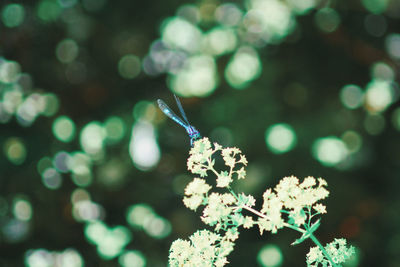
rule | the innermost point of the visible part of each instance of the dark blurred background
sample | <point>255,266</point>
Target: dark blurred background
<point>92,173</point>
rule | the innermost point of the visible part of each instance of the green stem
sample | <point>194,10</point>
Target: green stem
<point>321,247</point>
<point>309,215</point>
<point>232,192</point>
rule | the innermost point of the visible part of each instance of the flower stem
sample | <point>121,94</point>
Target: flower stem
<point>265,216</point>
<point>313,238</point>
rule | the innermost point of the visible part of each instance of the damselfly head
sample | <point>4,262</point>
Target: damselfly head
<point>194,134</point>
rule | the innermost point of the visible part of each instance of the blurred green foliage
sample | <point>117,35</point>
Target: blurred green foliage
<point>92,173</point>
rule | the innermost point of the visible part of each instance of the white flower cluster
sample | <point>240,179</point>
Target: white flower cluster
<point>291,204</point>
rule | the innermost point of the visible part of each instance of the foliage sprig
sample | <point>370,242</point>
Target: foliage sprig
<point>291,204</point>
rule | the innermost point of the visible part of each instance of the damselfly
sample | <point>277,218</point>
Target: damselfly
<point>192,132</point>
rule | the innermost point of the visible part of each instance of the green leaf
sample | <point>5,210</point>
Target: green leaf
<point>307,234</point>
